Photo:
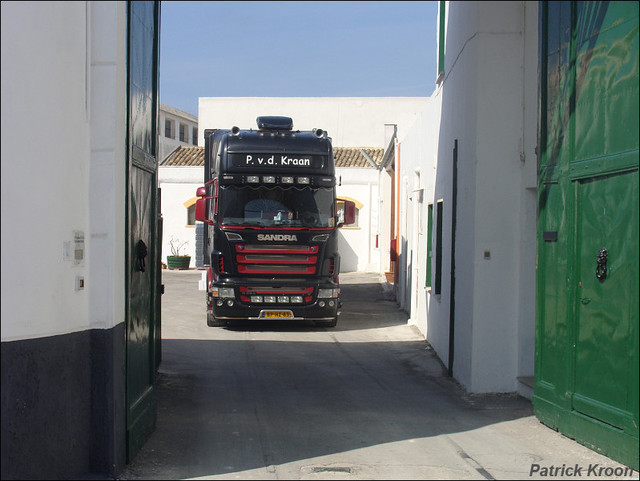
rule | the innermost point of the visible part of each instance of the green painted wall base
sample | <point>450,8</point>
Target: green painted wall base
<point>589,432</point>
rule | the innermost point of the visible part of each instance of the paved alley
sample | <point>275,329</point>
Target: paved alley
<point>365,400</point>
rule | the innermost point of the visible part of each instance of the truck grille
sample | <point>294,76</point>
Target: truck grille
<point>279,295</point>
<point>276,259</point>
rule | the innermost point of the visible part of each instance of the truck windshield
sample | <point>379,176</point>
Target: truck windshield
<point>262,206</point>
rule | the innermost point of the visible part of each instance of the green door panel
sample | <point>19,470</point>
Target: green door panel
<point>606,80</point>
<point>140,364</point>
<point>606,309</point>
<point>142,232</point>
<point>586,364</point>
<point>553,323</point>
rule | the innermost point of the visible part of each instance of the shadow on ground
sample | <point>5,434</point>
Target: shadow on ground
<point>232,405</point>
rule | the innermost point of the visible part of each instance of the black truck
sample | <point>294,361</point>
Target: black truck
<point>270,218</point>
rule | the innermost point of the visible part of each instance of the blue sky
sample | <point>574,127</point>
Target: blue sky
<point>296,49</point>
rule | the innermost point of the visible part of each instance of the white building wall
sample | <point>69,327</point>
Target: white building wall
<point>528,200</point>
<point>60,170</point>
<point>456,101</point>
<point>497,203</point>
<point>349,121</point>
<point>487,102</point>
<point>166,145</point>
<point>418,150</point>
<point>177,186</point>
<point>357,245</point>
<point>107,178</point>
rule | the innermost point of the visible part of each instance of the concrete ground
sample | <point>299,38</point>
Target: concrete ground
<point>368,399</point>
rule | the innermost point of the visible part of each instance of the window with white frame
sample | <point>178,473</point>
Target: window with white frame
<point>168,128</point>
<point>191,215</point>
<point>438,266</point>
<point>190,205</point>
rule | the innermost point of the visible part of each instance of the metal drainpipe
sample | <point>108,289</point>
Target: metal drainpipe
<point>396,274</point>
<point>452,292</point>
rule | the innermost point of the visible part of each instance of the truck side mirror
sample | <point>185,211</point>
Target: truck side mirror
<point>201,205</point>
<point>201,209</point>
<point>349,213</point>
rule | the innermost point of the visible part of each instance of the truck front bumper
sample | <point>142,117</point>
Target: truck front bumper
<point>312,312</point>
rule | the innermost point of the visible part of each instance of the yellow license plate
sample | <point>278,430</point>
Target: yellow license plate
<point>276,314</point>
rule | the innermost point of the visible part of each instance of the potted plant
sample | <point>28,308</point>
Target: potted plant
<point>177,260</point>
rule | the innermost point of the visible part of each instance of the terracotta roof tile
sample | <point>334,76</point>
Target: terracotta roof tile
<point>353,157</point>
<point>185,156</point>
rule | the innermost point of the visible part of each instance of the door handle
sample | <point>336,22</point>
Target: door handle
<point>141,253</point>
<point>601,264</point>
<point>585,300</point>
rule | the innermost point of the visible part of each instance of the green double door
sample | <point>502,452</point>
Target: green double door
<point>586,367</point>
<point>142,267</point>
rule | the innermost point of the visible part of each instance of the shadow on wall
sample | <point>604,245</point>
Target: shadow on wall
<point>348,257</point>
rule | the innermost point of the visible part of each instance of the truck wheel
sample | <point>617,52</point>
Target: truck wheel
<point>331,323</point>
<point>213,322</point>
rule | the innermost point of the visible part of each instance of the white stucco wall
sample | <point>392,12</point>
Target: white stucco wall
<point>107,187</point>
<point>418,150</point>
<point>357,245</point>
<point>166,145</point>
<point>63,166</point>
<point>177,186</point>
<point>349,121</point>
<point>487,102</point>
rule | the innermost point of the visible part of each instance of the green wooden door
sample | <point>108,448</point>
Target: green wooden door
<point>586,379</point>
<point>141,270</point>
<point>605,382</point>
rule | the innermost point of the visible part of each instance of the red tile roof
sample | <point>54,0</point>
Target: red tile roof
<point>353,157</point>
<point>185,156</point>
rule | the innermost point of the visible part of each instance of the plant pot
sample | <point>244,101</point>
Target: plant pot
<point>178,262</point>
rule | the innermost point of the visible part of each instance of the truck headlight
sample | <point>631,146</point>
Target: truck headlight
<point>222,292</point>
<point>328,293</point>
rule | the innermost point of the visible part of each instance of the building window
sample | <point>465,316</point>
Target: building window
<point>168,128</point>
<point>439,222</point>
<point>429,243</point>
<point>194,139</point>
<point>183,133</point>
<point>441,40</point>
<point>340,211</point>
<point>191,215</point>
<point>191,211</point>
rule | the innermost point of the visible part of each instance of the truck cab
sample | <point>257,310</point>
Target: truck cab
<point>268,205</point>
